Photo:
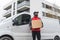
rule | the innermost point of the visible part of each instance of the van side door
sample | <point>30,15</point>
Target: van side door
<point>21,24</point>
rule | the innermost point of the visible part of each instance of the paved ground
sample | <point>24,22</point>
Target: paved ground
<point>43,39</point>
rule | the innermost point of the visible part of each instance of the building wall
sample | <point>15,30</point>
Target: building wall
<point>36,5</point>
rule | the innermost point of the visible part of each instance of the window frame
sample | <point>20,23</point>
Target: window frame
<point>21,22</point>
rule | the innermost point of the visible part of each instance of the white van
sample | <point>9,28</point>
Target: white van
<point>17,28</point>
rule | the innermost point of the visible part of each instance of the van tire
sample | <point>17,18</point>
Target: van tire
<point>6,37</point>
<point>56,37</point>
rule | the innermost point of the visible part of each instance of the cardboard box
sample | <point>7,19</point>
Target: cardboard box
<point>36,24</point>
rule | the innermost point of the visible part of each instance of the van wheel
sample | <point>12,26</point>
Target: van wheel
<point>56,37</point>
<point>6,38</point>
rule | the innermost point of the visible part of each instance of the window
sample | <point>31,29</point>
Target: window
<point>14,12</point>
<point>7,8</point>
<point>59,17</point>
<point>19,1</point>
<point>50,15</point>
<point>44,5</point>
<point>48,7</point>
<point>22,19</point>
<point>25,19</point>
<point>47,15</point>
<point>55,17</point>
<point>8,15</point>
<point>44,14</point>
<point>19,11</point>
<point>17,20</point>
<point>57,10</point>
<point>14,5</point>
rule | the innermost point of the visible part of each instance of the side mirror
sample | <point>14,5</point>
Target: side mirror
<point>15,22</point>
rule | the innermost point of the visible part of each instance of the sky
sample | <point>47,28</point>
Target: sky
<point>4,2</point>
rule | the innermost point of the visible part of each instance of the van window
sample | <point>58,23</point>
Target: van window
<point>25,19</point>
<point>22,19</point>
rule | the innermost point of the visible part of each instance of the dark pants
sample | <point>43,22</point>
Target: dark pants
<point>36,34</point>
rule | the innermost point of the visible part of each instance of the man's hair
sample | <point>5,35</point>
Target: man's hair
<point>35,12</point>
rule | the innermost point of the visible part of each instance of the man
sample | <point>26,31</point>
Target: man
<point>35,30</point>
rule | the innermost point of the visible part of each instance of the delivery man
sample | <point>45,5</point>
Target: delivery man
<point>35,26</point>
